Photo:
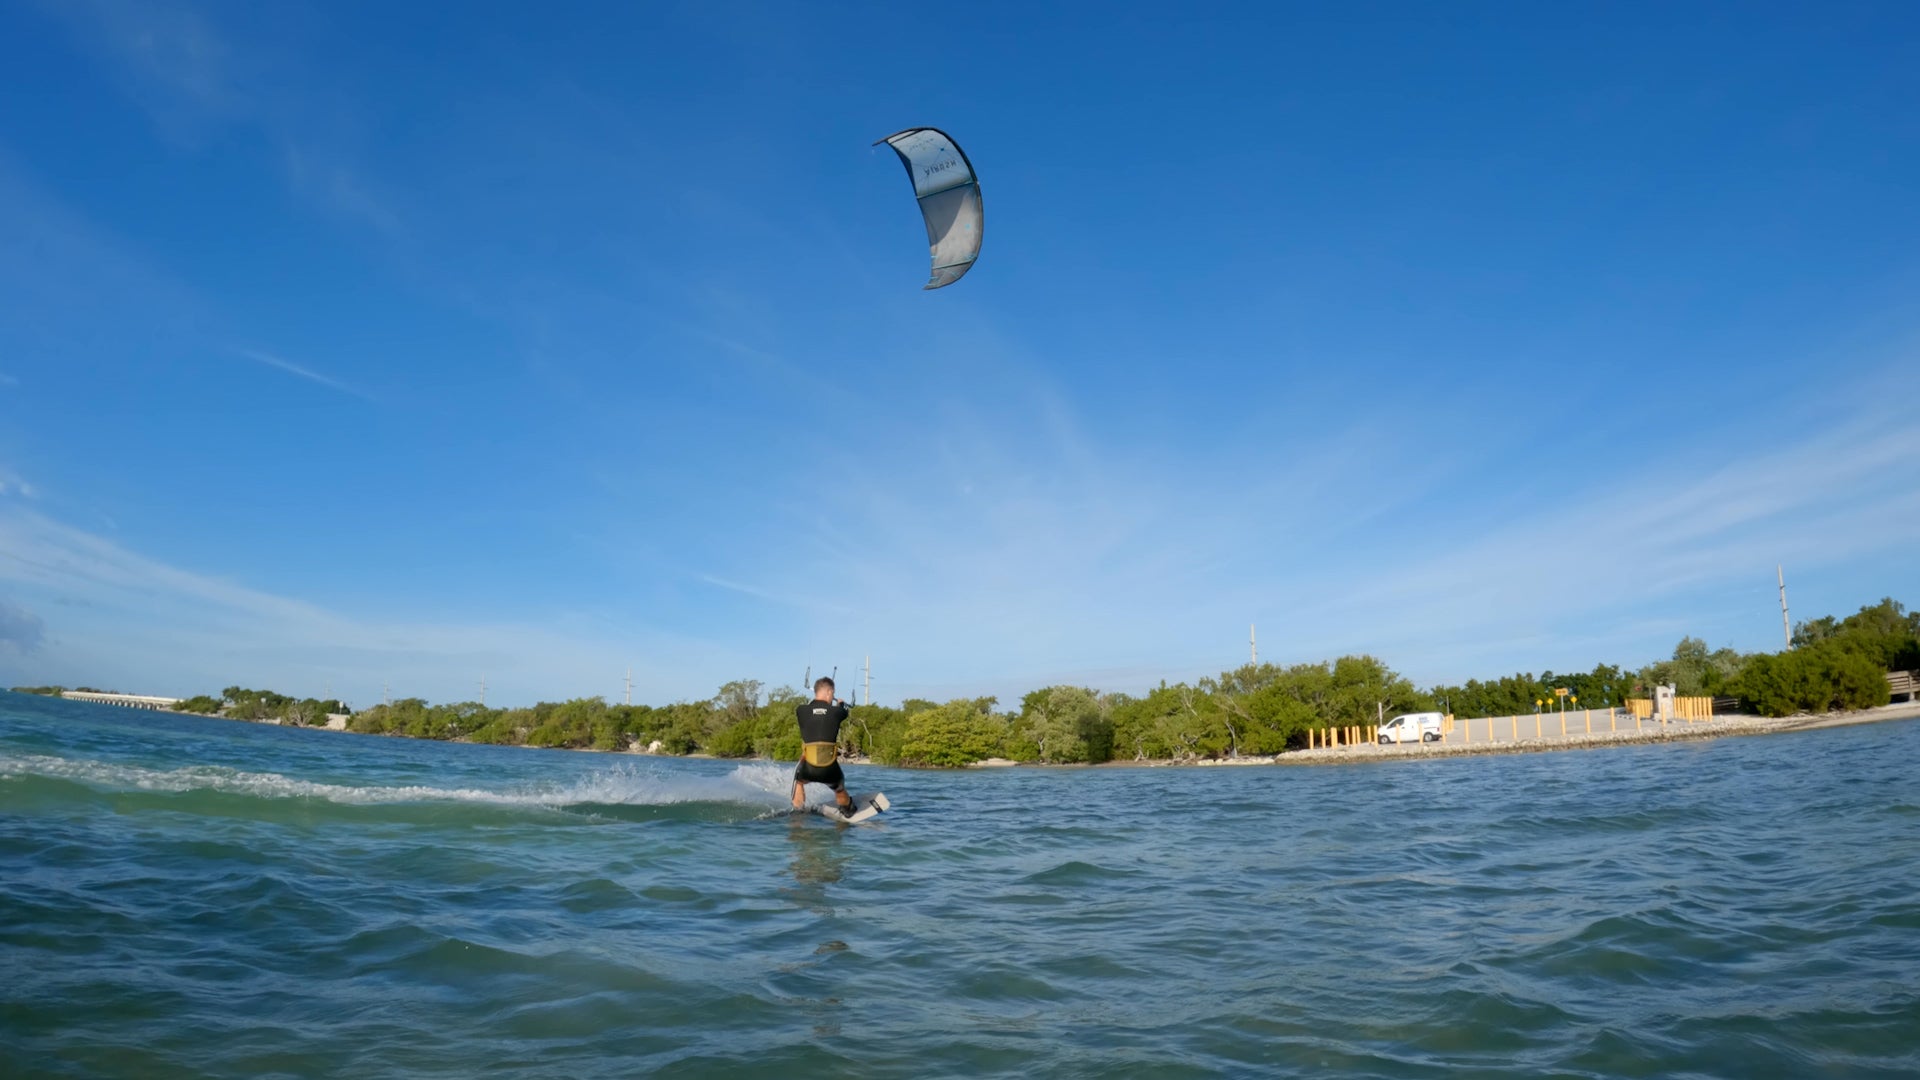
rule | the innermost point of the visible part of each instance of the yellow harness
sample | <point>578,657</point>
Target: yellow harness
<point>819,754</point>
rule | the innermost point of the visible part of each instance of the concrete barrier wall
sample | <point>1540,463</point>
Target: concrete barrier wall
<point>1529,727</point>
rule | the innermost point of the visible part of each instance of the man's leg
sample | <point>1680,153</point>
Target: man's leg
<point>840,795</point>
<point>799,795</point>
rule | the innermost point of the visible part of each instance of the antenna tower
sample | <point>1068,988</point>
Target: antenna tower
<point>1786,626</point>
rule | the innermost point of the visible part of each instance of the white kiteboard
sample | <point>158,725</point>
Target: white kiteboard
<point>865,808</point>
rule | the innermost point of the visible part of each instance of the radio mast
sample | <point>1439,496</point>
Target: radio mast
<point>1786,626</point>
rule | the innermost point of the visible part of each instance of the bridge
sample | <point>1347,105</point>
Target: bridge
<point>130,701</point>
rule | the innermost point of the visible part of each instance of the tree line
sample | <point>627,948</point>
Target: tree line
<point>1254,709</point>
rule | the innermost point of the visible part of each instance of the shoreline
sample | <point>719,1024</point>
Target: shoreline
<point>1716,728</point>
<point>1674,731</point>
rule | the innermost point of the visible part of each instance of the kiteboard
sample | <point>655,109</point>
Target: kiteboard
<point>866,807</point>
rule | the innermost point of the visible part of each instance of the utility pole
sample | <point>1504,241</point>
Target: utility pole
<point>1253,644</point>
<point>1786,627</point>
<point>483,691</point>
<point>866,688</point>
<point>629,685</point>
<point>386,694</point>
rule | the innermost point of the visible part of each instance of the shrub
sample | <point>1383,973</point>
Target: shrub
<point>950,735</point>
<point>1818,678</point>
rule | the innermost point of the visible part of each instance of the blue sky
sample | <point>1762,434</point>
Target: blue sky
<point>350,344</point>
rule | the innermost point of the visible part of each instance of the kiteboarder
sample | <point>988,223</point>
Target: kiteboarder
<point>820,721</point>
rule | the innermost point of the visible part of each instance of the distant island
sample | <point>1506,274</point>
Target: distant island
<point>1253,710</point>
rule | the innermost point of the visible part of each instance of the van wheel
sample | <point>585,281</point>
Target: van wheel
<point>1384,741</point>
<point>1429,737</point>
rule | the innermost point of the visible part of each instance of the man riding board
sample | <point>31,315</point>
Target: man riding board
<point>820,721</point>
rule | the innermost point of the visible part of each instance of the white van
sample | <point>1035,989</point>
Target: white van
<point>1412,727</point>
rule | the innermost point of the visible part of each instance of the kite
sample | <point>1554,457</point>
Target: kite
<point>949,196</point>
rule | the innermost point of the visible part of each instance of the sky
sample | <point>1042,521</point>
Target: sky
<point>354,349</point>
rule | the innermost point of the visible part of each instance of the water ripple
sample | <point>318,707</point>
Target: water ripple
<point>201,898</point>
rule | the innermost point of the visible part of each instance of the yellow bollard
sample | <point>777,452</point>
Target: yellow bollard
<point>1611,725</point>
<point>1563,725</point>
<point>1516,728</point>
<point>1589,725</point>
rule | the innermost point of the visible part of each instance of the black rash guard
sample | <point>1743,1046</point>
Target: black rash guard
<point>820,720</point>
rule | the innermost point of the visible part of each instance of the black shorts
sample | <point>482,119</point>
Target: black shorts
<point>829,775</point>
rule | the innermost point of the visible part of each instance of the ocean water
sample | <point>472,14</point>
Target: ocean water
<point>193,897</point>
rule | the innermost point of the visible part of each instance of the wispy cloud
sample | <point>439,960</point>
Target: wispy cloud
<point>1067,561</point>
<point>20,629</point>
<point>991,552</point>
<point>192,74</point>
<point>308,374</point>
<point>136,621</point>
<point>8,380</point>
<point>169,45</point>
<point>325,177</point>
<point>11,483</point>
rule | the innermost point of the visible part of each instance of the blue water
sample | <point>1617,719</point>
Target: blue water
<point>192,897</point>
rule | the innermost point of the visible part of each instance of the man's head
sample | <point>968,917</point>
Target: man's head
<point>823,689</point>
